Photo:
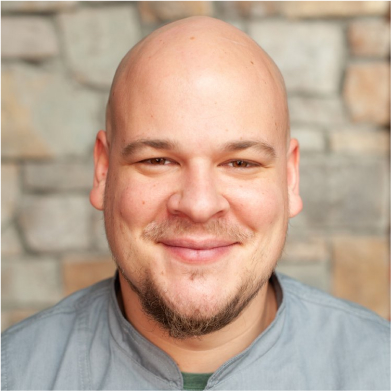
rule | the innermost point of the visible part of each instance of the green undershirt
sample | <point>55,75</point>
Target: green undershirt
<point>195,381</point>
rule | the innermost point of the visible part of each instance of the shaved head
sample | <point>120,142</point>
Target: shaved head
<point>195,48</point>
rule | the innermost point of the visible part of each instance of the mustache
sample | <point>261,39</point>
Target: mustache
<point>170,228</point>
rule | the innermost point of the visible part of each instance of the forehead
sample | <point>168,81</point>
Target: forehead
<point>216,87</point>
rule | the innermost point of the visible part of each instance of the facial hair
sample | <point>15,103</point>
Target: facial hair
<point>180,326</point>
<point>156,306</point>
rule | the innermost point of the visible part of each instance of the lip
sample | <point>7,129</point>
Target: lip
<point>198,251</point>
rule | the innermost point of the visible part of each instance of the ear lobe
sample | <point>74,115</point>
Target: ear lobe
<point>101,163</point>
<point>293,160</point>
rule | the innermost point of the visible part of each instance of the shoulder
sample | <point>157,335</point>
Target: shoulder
<point>68,308</point>
<point>346,342</point>
<point>323,304</point>
<point>344,331</point>
<point>39,343</point>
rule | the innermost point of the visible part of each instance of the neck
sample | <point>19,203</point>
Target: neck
<point>207,353</point>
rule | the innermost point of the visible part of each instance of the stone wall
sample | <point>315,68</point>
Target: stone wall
<point>58,59</point>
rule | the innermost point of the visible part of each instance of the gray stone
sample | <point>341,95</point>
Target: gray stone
<point>167,11</point>
<point>341,192</point>
<point>309,55</point>
<point>317,111</point>
<point>58,176</point>
<point>37,6</point>
<point>46,115</point>
<point>309,138</point>
<point>10,242</point>
<point>323,9</point>
<point>308,249</point>
<point>99,234</point>
<point>246,9</point>
<point>9,193</point>
<point>29,281</point>
<point>31,38</point>
<point>96,39</point>
<point>315,274</point>
<point>56,223</point>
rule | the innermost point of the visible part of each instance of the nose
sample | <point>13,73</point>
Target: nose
<point>198,197</point>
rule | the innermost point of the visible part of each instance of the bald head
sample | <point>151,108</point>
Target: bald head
<point>197,53</point>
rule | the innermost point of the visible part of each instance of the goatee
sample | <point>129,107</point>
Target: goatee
<point>180,326</point>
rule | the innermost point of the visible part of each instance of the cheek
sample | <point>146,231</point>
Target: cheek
<point>260,206</point>
<point>140,203</point>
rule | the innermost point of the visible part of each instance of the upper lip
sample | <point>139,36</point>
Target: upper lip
<point>197,244</point>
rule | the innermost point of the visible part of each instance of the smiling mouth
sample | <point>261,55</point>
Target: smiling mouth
<point>198,251</point>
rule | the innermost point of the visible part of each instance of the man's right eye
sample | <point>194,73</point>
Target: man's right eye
<point>158,161</point>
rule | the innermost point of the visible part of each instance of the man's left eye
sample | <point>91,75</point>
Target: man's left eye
<point>241,164</point>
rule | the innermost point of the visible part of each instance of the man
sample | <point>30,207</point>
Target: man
<point>197,177</point>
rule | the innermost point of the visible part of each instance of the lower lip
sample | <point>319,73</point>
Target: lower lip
<point>198,256</point>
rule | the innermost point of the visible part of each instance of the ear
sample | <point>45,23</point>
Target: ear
<point>101,163</point>
<point>293,159</point>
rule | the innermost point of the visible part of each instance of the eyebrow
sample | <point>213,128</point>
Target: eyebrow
<point>261,146</point>
<point>162,144</point>
<point>132,147</point>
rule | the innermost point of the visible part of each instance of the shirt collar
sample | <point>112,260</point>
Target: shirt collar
<point>162,365</point>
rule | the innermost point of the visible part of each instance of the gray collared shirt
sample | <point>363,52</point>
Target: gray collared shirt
<point>84,342</point>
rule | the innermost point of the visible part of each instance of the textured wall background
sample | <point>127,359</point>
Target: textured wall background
<point>58,59</point>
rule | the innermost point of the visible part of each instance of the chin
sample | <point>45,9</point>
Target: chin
<point>192,308</point>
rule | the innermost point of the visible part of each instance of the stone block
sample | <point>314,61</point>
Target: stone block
<point>307,65</point>
<point>10,191</point>
<point>310,139</point>
<point>96,39</point>
<point>28,38</point>
<point>246,9</point>
<point>317,111</point>
<point>66,175</point>
<point>361,271</point>
<point>37,6</point>
<point>368,142</point>
<point>30,281</point>
<point>80,272</point>
<point>45,115</point>
<point>367,92</point>
<point>323,9</point>
<point>10,242</point>
<point>98,232</point>
<point>165,11</point>
<point>342,192</point>
<point>55,223</point>
<point>315,274</point>
<point>369,38</point>
<point>309,249</point>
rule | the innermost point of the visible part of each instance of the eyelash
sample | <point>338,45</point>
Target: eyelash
<point>157,162</point>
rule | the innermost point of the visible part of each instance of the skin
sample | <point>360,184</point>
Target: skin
<point>207,88</point>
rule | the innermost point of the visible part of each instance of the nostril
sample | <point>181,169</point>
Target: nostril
<point>199,205</point>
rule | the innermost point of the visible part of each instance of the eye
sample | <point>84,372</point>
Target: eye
<point>158,161</point>
<point>241,164</point>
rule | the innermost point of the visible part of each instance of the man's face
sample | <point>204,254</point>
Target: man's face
<point>196,197</point>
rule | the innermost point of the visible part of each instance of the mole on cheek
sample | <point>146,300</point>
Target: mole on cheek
<point>192,38</point>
